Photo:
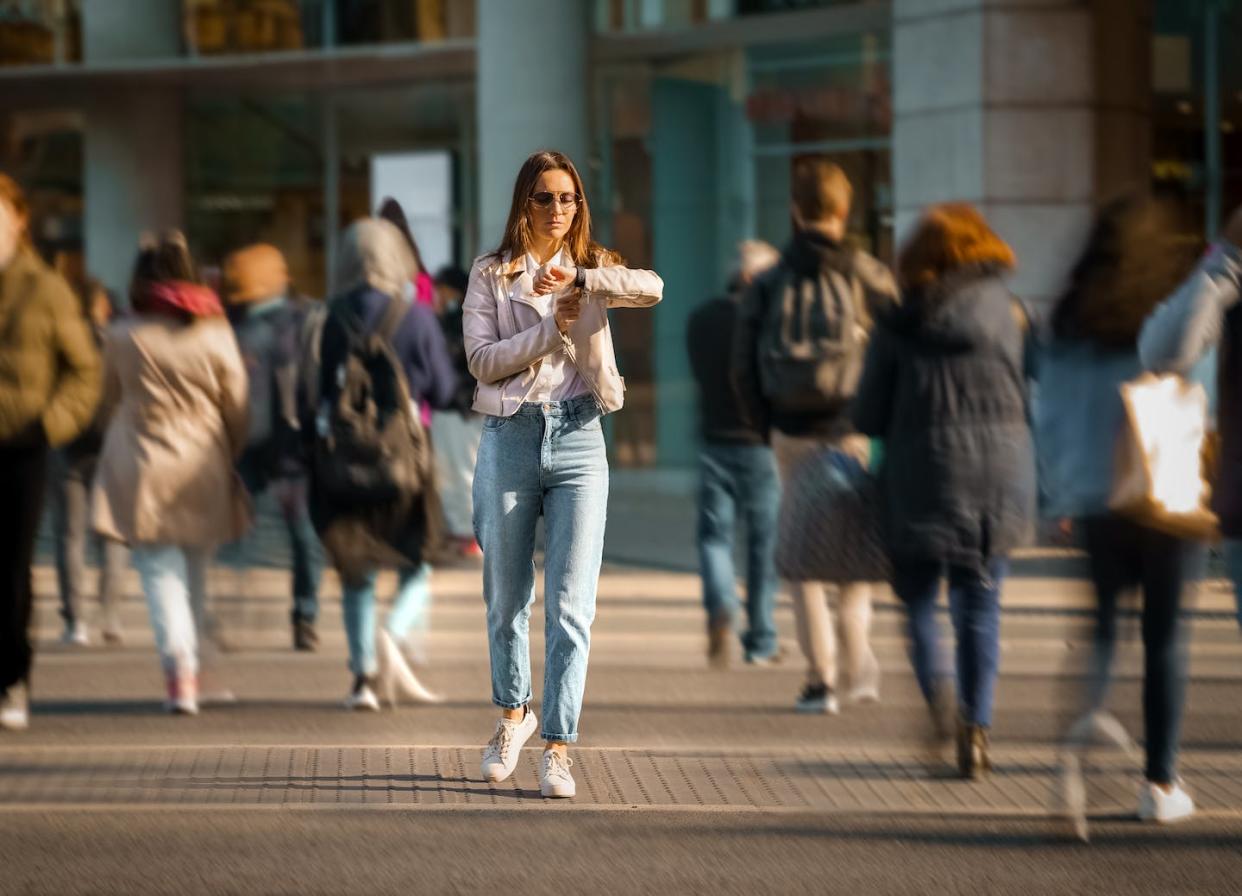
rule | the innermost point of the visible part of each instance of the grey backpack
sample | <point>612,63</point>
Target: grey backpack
<point>812,341</point>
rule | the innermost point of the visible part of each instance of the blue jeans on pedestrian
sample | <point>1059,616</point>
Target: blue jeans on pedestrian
<point>291,495</point>
<point>739,482</point>
<point>547,459</point>
<point>1233,562</point>
<point>974,605</point>
<point>409,609</point>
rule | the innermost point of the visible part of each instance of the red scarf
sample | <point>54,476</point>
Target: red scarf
<point>179,299</point>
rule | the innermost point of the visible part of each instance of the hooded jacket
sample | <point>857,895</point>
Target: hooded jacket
<point>945,386</point>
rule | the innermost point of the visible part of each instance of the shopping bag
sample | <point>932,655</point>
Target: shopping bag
<point>1165,457</point>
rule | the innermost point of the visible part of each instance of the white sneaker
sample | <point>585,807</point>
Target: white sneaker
<point>1071,802</point>
<point>362,697</point>
<point>15,709</point>
<point>1164,808</point>
<point>555,781</point>
<point>866,694</point>
<point>500,756</point>
<point>76,635</point>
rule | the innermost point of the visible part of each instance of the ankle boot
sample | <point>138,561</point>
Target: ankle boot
<point>973,761</point>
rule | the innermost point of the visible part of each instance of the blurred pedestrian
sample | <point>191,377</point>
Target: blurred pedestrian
<point>537,336</point>
<point>49,389</point>
<point>1205,315</point>
<point>382,355</point>
<point>73,470</point>
<point>456,432</point>
<point>798,352</point>
<point>945,388</point>
<point>1198,316</point>
<point>737,477</point>
<point>270,325</point>
<point>165,484</point>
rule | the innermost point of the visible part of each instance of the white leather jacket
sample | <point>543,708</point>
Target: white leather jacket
<point>507,337</point>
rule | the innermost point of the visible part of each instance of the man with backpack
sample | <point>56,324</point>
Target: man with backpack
<point>373,497</point>
<point>269,325</point>
<point>798,352</point>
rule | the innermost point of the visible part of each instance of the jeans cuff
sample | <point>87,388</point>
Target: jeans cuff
<point>503,705</point>
<point>549,737</point>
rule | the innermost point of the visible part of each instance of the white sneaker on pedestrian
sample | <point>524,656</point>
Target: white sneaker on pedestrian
<point>500,756</point>
<point>362,696</point>
<point>1071,802</point>
<point>865,694</point>
<point>15,709</point>
<point>1164,808</point>
<point>817,698</point>
<point>555,781</point>
<point>182,697</point>
<point>76,635</point>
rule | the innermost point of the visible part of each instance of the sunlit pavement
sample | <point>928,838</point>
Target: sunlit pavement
<point>688,777</point>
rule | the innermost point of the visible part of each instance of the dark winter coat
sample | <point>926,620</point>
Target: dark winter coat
<point>709,343</point>
<point>269,337</point>
<point>945,387</point>
<point>362,539</point>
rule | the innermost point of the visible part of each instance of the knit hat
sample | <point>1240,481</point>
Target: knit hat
<point>255,274</point>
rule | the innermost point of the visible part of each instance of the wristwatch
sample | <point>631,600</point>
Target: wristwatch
<point>580,278</point>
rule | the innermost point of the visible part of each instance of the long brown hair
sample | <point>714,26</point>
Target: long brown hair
<point>11,193</point>
<point>950,236</point>
<point>1136,255</point>
<point>518,232</point>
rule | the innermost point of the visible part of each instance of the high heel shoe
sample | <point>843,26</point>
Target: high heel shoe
<point>395,675</point>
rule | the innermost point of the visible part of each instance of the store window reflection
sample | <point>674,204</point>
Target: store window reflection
<point>40,32</point>
<point>633,15</point>
<point>695,155</point>
<point>260,26</point>
<point>1194,105</point>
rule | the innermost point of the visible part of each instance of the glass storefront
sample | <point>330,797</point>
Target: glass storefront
<point>257,168</point>
<point>695,155</point>
<point>47,32</point>
<point>638,15</point>
<point>1197,108</point>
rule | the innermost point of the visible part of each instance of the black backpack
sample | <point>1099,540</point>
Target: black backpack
<point>373,450</point>
<point>812,340</point>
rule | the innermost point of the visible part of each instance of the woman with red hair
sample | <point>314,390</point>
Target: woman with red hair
<point>945,387</point>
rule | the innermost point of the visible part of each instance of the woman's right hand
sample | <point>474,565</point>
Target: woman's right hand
<point>567,309</point>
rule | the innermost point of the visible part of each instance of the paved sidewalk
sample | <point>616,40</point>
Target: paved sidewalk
<point>690,779</point>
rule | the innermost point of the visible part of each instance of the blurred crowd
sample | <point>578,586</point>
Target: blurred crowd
<point>864,426</point>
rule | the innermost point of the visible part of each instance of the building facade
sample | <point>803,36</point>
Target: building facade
<point>280,120</point>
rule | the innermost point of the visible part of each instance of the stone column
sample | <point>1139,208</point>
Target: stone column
<point>133,148</point>
<point>532,94</point>
<point>1032,111</point>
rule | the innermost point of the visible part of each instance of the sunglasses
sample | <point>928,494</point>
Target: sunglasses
<point>545,199</point>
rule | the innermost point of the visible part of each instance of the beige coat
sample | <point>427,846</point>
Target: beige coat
<point>507,336</point>
<point>166,472</point>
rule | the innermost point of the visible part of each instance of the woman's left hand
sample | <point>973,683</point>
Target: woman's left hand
<point>554,278</point>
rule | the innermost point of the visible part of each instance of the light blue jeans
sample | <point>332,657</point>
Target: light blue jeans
<point>410,606</point>
<point>174,580</point>
<point>546,459</point>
